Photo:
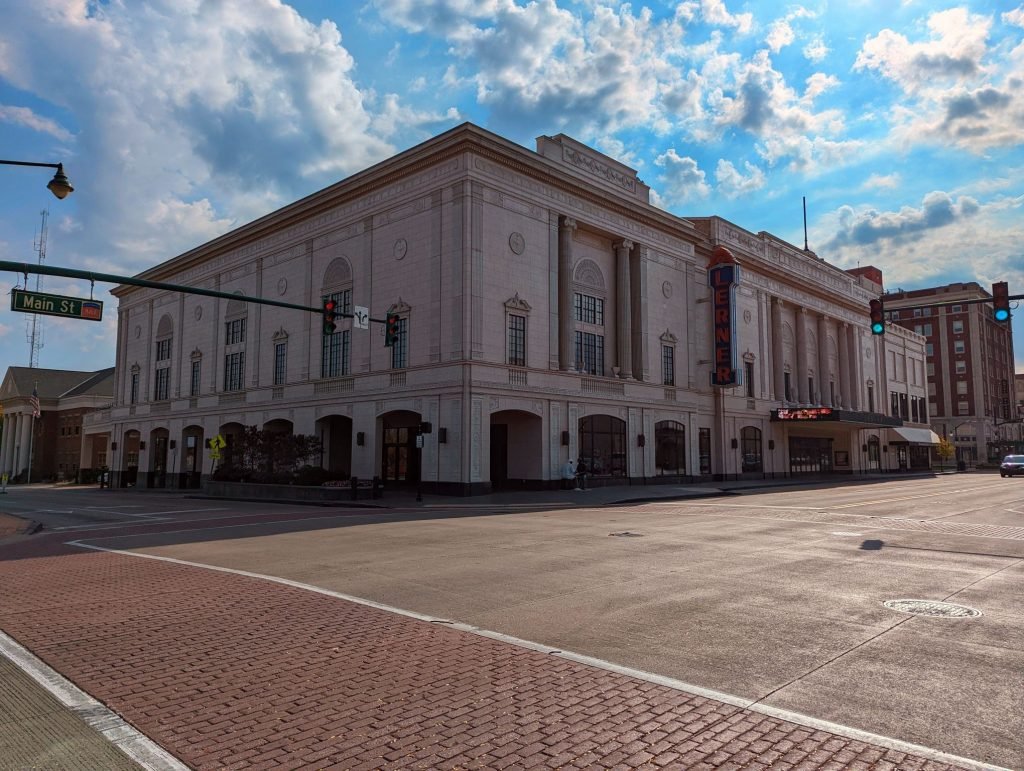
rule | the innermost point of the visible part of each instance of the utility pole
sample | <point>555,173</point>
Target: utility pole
<point>35,335</point>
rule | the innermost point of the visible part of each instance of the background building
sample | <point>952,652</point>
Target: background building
<point>59,448</point>
<point>547,312</point>
<point>971,382</point>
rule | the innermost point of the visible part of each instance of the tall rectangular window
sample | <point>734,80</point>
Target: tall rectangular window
<point>163,350</point>
<point>161,389</point>
<point>958,327</point>
<point>904,407</point>
<point>787,387</point>
<point>133,396</point>
<point>748,377</point>
<point>194,381</point>
<point>516,340</point>
<point>589,309</point>
<point>280,363</point>
<point>234,331</point>
<point>894,404</point>
<point>234,371</point>
<point>334,354</point>
<point>590,353</point>
<point>668,365</point>
<point>871,397</point>
<point>400,349</point>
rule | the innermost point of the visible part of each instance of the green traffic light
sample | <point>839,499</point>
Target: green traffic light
<point>1002,314</point>
<point>878,328</point>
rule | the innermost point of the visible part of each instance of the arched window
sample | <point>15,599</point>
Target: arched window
<point>669,448</point>
<point>235,317</point>
<point>336,347</point>
<point>602,446</point>
<point>750,446</point>
<point>162,375</point>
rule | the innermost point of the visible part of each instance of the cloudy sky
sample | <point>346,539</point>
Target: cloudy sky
<point>177,120</point>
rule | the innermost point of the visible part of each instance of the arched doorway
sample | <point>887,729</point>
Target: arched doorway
<point>230,454</point>
<point>516,449</point>
<point>335,434</point>
<point>191,458</point>
<point>130,458</point>
<point>400,458</point>
<point>602,441</point>
<point>669,448</point>
<point>158,445</point>
<point>874,454</point>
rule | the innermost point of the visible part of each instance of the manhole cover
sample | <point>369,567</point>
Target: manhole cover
<point>627,534</point>
<point>932,608</point>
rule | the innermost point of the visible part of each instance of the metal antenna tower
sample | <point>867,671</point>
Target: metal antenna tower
<point>35,324</point>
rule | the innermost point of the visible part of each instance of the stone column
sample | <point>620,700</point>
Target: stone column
<point>778,352</point>
<point>844,366</point>
<point>565,318</point>
<point>801,356</point>
<point>8,446</point>
<point>623,309</point>
<point>822,380</point>
<point>25,439</point>
<point>855,367</point>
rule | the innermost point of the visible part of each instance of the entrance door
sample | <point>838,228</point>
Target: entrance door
<point>400,458</point>
<point>499,454</point>
<point>810,455</point>
<point>159,475</point>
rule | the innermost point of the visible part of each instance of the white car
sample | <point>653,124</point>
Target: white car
<point>1011,465</point>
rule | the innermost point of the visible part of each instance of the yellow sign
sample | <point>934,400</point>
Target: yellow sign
<point>218,442</point>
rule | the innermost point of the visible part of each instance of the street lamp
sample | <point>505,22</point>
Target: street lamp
<point>59,185</point>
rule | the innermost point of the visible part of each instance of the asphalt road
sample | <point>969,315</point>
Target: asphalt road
<point>775,597</point>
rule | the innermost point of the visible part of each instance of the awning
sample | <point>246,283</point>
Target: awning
<point>913,435</point>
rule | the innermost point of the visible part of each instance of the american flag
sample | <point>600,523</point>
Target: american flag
<point>34,401</point>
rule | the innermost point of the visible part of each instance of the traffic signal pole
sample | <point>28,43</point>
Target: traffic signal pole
<point>24,269</point>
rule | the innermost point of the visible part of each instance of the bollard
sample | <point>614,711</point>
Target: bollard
<point>355,488</point>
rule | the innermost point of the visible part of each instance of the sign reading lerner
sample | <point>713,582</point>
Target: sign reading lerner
<point>56,305</point>
<point>723,275</point>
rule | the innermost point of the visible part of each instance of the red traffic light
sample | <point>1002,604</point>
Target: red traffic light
<point>877,315</point>
<point>330,307</point>
<point>1001,301</point>
<point>391,329</point>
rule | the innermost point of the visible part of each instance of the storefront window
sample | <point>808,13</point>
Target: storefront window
<point>750,445</point>
<point>602,446</point>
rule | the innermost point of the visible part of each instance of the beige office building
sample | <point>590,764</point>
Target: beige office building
<point>547,312</point>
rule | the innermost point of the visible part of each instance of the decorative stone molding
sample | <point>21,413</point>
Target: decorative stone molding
<point>595,167</point>
<point>339,271</point>
<point>400,307</point>
<point>196,354</point>
<point>280,335</point>
<point>517,243</point>
<point>589,274</point>
<point>668,338</point>
<point>516,303</point>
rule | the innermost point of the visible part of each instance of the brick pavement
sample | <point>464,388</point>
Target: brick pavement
<point>232,672</point>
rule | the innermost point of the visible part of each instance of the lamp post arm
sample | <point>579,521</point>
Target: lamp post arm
<point>29,163</point>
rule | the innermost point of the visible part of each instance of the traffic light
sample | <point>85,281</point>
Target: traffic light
<point>1001,301</point>
<point>877,318</point>
<point>391,329</point>
<point>329,308</point>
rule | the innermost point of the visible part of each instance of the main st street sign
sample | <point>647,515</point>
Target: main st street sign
<point>56,305</point>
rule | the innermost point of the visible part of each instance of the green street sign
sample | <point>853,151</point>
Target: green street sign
<point>56,305</point>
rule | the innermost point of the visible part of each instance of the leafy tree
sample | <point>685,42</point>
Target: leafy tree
<point>945,450</point>
<point>268,456</point>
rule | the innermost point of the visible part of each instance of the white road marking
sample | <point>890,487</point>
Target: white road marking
<point>696,690</point>
<point>126,738</point>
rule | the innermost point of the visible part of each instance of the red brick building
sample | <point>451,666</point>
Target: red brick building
<point>972,391</point>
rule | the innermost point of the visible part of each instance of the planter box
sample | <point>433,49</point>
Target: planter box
<point>261,492</point>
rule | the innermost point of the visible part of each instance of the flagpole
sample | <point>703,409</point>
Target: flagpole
<point>32,429</point>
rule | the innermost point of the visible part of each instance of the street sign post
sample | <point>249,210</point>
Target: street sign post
<point>56,305</point>
<point>361,317</point>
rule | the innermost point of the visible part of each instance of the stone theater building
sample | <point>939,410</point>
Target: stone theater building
<point>547,312</point>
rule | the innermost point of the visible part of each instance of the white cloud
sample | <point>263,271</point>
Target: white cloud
<point>780,35</point>
<point>880,181</point>
<point>1014,17</point>
<point>715,12</point>
<point>872,228</point>
<point>732,183</point>
<point>683,179</point>
<point>816,50</point>
<point>192,117</point>
<point>23,116</point>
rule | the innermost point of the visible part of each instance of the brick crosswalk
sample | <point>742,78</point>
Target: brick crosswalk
<point>232,672</point>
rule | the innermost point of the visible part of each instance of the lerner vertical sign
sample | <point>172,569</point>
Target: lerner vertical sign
<point>723,276</point>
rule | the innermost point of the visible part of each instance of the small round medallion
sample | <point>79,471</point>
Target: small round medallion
<point>138,331</point>
<point>401,247</point>
<point>198,313</point>
<point>747,316</point>
<point>517,243</point>
<point>666,289</point>
<point>282,285</point>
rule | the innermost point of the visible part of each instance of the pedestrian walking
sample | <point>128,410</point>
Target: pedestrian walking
<point>568,475</point>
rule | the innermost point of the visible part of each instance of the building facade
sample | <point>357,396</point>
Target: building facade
<point>970,365</point>
<point>547,311</point>
<point>53,444</point>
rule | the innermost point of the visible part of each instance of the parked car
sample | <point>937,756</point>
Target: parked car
<point>1011,465</point>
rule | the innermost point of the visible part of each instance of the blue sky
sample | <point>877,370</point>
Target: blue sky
<point>177,120</point>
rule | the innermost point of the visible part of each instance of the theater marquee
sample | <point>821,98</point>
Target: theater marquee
<point>723,276</point>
